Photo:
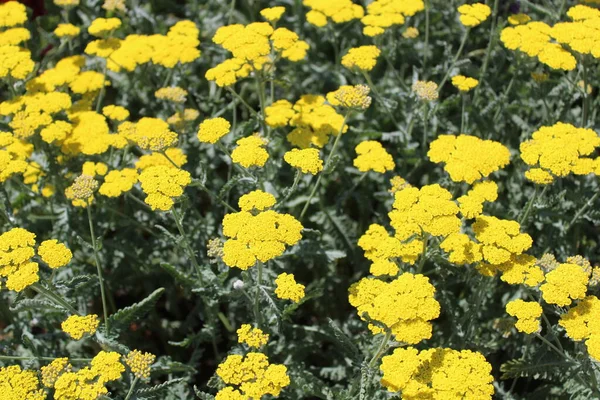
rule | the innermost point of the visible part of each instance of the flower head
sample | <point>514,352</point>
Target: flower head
<point>353,97</point>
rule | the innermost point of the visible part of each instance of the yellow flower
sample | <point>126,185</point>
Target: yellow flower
<point>174,94</point>
<point>114,5</point>
<point>52,371</point>
<point>12,13</point>
<point>472,15</point>
<point>528,315</point>
<point>250,152</point>
<point>54,254</point>
<point>116,113</point>
<point>213,129</point>
<point>410,33</point>
<point>518,19</point>
<point>162,184</point>
<point>20,384</point>
<point>272,14</point>
<point>353,97</point>
<point>471,204</point>
<point>103,26</point>
<point>306,160</point>
<point>66,3</point>
<point>426,90</point>
<point>384,14</point>
<point>16,251</point>
<point>139,363</point>
<point>175,154</point>
<point>77,326</point>
<point>463,83</point>
<point>83,187</point>
<point>253,337</point>
<point>151,134</point>
<point>373,157</point>
<point>362,58</point>
<point>118,182</point>
<point>288,289</point>
<point>66,30</point>
<point>564,284</point>
<point>336,11</point>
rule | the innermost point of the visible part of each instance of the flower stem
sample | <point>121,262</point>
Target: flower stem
<point>423,254</point>
<point>587,205</point>
<point>463,118</point>
<point>425,127</point>
<point>327,162</point>
<point>98,268</point>
<point>103,89</point>
<point>458,53</point>
<point>186,244</point>
<point>586,98</point>
<point>379,97</point>
<point>130,392</point>
<point>292,189</point>
<point>488,51</point>
<point>257,314</point>
<point>426,46</point>
<point>530,204</point>
<point>381,349</point>
<point>248,106</point>
<point>54,297</point>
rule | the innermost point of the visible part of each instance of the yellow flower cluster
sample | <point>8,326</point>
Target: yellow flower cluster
<point>16,251</point>
<point>66,3</point>
<point>468,158</point>
<point>373,157</point>
<point>383,14</point>
<point>181,118</point>
<point>252,46</point>
<point>20,384</point>
<point>352,97</point>
<point>306,160</point>
<point>116,113</point>
<point>272,14</point>
<point>174,94</point>
<point>313,120</point>
<point>426,90</point>
<point>363,58</point>
<point>464,83</point>
<point>565,283</point>
<point>149,134</point>
<point>404,306</point>
<point>254,376</point>
<point>438,373</point>
<point>114,5</point>
<point>381,249</point>
<point>155,159</point>
<point>518,19</point>
<point>256,234</point>
<point>54,254</point>
<point>338,11</point>
<point>163,183</point>
<point>471,204</point>
<point>89,382</point>
<point>81,192</point>
<point>213,129</point>
<point>14,36</point>
<point>253,337</point>
<point>76,326</point>
<point>52,371</point>
<point>103,26</point>
<point>288,289</point>
<point>474,14</point>
<point>67,30</point>
<point>535,40</point>
<point>582,34</point>
<point>12,14</point>
<point>559,150</point>
<point>410,33</point>
<point>250,152</point>
<point>118,182</point>
<point>15,61</point>
<point>13,155</point>
<point>528,315</point>
<point>139,363</point>
<point>582,323</point>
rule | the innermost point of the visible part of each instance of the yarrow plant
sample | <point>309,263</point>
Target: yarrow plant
<point>316,199</point>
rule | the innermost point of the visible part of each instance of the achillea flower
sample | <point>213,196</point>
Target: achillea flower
<point>528,315</point>
<point>472,15</point>
<point>335,11</point>
<point>518,19</point>
<point>77,326</point>
<point>373,157</point>
<point>468,158</point>
<point>162,184</point>
<point>52,371</point>
<point>288,289</point>
<point>471,204</point>
<point>384,14</point>
<point>250,152</point>
<point>426,90</point>
<point>139,363</point>
<point>464,83</point>
<point>363,58</point>
<point>20,384</point>
<point>253,337</point>
<point>103,26</point>
<point>16,251</point>
<point>564,284</point>
<point>214,250</point>
<point>118,182</point>
<point>410,33</point>
<point>306,160</point>
<point>582,323</point>
<point>116,113</point>
<point>272,14</point>
<point>174,94</point>
<point>437,373</point>
<point>66,3</point>
<point>67,30</point>
<point>12,13</point>
<point>175,154</point>
<point>54,254</point>
<point>213,129</point>
<point>114,5</point>
<point>83,187</point>
<point>352,97</point>
<point>405,306</point>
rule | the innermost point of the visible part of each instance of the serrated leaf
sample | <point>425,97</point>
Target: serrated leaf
<point>178,275</point>
<point>203,395</point>
<point>128,314</point>
<point>156,389</point>
<point>37,304</point>
<point>344,342</point>
<point>520,368</point>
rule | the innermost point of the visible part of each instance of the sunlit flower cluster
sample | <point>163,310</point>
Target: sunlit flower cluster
<point>528,315</point>
<point>288,289</point>
<point>323,12</point>
<point>384,14</point>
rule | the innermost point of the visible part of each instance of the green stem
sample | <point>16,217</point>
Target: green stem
<point>423,254</point>
<point>27,358</point>
<point>257,314</point>
<point>426,46</point>
<point>456,56</point>
<point>292,189</point>
<point>587,205</point>
<point>54,297</point>
<point>213,195</point>
<point>530,204</point>
<point>103,89</point>
<point>381,349</point>
<point>586,98</point>
<point>231,9</point>
<point>187,245</point>
<point>248,106</point>
<point>130,392</point>
<point>327,162</point>
<point>488,51</point>
<point>98,268</point>
<point>380,98</point>
<point>425,127</point>
<point>260,87</point>
<point>463,117</point>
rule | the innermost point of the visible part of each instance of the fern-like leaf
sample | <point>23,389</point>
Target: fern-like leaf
<point>126,315</point>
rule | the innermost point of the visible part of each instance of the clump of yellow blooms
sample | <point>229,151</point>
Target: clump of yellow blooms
<point>565,283</point>
<point>528,315</point>
<point>256,233</point>
<point>16,251</point>
<point>213,129</point>
<point>288,289</point>
<point>559,150</point>
<point>471,204</point>
<point>336,11</point>
<point>468,158</point>
<point>81,192</point>
<point>352,97</point>
<point>181,118</point>
<point>381,248</point>
<point>20,384</point>
<point>363,58</point>
<point>383,14</point>
<point>103,26</point>
<point>66,3</point>
<point>12,14</point>
<point>91,168</point>
<point>306,160</point>
<point>139,363</point>
<point>250,152</point>
<point>89,382</point>
<point>15,61</point>
<point>150,134</point>
<point>272,14</point>
<point>438,373</point>
<point>52,371</point>
<point>410,33</point>
<point>404,306</point>
<point>175,154</point>
<point>313,120</point>
<point>518,19</point>
<point>114,5</point>
<point>67,30</point>
<point>174,94</point>
<point>161,184</point>
<point>472,15</point>
<point>54,254</point>
<point>373,157</point>
<point>398,183</point>
<point>116,113</point>
<point>254,376</point>
<point>253,337</point>
<point>582,323</point>
<point>426,90</point>
<point>76,326</point>
<point>13,156</point>
<point>118,182</point>
<point>581,34</point>
<point>464,83</point>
